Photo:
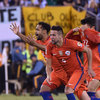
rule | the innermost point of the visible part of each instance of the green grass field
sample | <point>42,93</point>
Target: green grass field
<point>27,97</point>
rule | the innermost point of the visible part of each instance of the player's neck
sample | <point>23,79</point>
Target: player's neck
<point>45,38</point>
<point>60,42</point>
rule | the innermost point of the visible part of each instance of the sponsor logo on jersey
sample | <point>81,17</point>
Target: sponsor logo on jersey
<point>63,60</point>
<point>79,44</point>
<point>67,53</point>
<point>60,53</point>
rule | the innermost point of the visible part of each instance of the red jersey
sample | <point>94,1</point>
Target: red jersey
<point>44,43</point>
<point>70,35</point>
<point>91,38</point>
<point>66,56</point>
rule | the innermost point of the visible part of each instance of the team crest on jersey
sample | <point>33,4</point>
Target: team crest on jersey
<point>98,34</point>
<point>82,33</point>
<point>67,53</point>
<point>60,53</point>
<point>79,44</point>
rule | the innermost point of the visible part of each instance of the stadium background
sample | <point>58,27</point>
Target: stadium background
<point>66,13</point>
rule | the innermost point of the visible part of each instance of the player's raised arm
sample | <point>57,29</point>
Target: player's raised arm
<point>70,34</point>
<point>32,41</point>
<point>28,39</point>
<point>15,30</point>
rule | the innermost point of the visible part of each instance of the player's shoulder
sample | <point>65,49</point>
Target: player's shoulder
<point>50,44</point>
<point>69,40</point>
<point>72,43</point>
<point>92,30</point>
<point>39,41</point>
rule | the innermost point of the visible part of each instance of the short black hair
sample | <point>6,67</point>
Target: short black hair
<point>33,55</point>
<point>22,41</point>
<point>88,20</point>
<point>68,1</point>
<point>45,26</point>
<point>57,28</point>
<point>18,40</point>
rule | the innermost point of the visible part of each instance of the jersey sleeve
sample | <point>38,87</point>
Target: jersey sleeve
<point>92,35</point>
<point>38,41</point>
<point>75,45</point>
<point>48,52</point>
<point>71,35</point>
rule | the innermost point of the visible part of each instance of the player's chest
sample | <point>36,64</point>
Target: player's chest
<point>61,52</point>
<point>85,40</point>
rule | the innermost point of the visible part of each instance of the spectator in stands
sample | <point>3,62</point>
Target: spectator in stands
<point>27,65</point>
<point>83,3</point>
<point>4,3</point>
<point>39,3</point>
<point>17,59</point>
<point>51,2</point>
<point>25,2</point>
<point>66,2</point>
<point>38,74</point>
<point>92,6</point>
<point>98,9</point>
<point>14,2</point>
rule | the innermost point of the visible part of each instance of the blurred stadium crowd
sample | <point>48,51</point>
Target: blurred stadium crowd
<point>91,5</point>
<point>26,67</point>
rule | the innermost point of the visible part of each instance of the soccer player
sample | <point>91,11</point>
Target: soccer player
<point>91,39</point>
<point>67,67</point>
<point>42,31</point>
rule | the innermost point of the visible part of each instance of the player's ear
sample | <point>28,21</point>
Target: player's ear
<point>88,26</point>
<point>44,31</point>
<point>93,27</point>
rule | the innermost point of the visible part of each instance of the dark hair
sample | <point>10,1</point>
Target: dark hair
<point>68,1</point>
<point>22,41</point>
<point>57,28</point>
<point>33,55</point>
<point>45,26</point>
<point>18,40</point>
<point>88,20</point>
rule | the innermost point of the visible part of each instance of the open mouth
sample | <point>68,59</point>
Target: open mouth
<point>36,34</point>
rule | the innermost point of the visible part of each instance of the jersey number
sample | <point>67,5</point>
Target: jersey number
<point>85,42</point>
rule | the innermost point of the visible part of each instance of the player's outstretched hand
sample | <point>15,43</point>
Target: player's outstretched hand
<point>14,28</point>
<point>76,29</point>
<point>83,27</point>
<point>48,79</point>
<point>31,39</point>
<point>91,73</point>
